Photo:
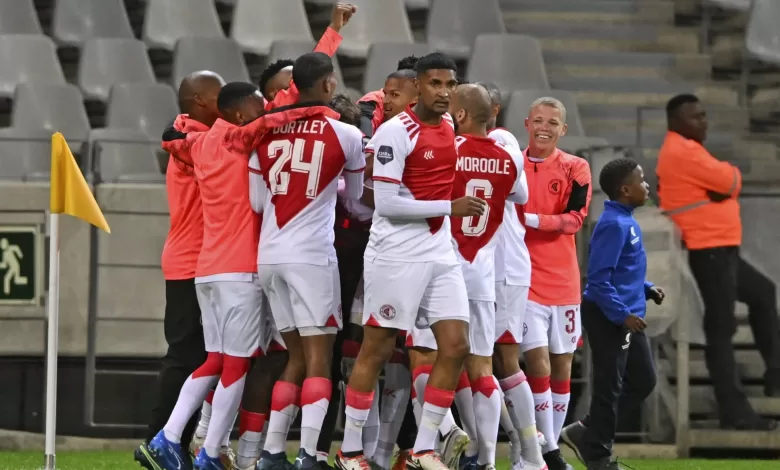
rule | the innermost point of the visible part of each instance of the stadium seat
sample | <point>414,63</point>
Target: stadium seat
<point>574,144</point>
<point>511,61</point>
<point>140,107</point>
<point>453,25</point>
<point>384,21</point>
<point>25,154</point>
<point>57,108</point>
<point>18,17</point>
<point>383,59</point>
<point>76,21</point>
<point>166,21</point>
<point>255,30</point>
<point>763,37</point>
<point>418,4</point>
<point>738,5</point>
<point>27,58</point>
<point>221,55</point>
<point>124,156</point>
<point>106,61</point>
<point>294,49</point>
<point>521,100</point>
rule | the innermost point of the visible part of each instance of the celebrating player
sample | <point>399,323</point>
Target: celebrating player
<point>557,205</point>
<point>411,270</point>
<point>300,164</point>
<point>399,92</point>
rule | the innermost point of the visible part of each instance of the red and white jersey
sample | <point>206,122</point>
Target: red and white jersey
<point>513,262</point>
<point>300,165</point>
<point>421,159</point>
<point>492,172</point>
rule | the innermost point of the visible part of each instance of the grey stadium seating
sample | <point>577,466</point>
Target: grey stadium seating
<point>511,61</point>
<point>124,156</point>
<point>378,21</point>
<point>27,58</point>
<point>255,30</point>
<point>107,61</point>
<point>57,108</point>
<point>143,108</point>
<point>383,60</point>
<point>763,37</point>
<point>25,154</point>
<point>293,49</point>
<point>453,25</point>
<point>221,55</point>
<point>521,100</point>
<point>76,21</point>
<point>18,17</point>
<point>167,21</point>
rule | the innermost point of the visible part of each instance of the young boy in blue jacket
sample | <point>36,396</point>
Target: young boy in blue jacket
<point>613,310</point>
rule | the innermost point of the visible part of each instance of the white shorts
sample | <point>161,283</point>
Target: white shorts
<point>400,295</point>
<point>482,330</point>
<point>557,327</point>
<point>356,314</point>
<point>305,297</point>
<point>511,304</point>
<point>236,318</point>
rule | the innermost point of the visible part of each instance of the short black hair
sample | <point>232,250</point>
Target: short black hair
<point>271,71</point>
<point>233,93</point>
<point>349,111</point>
<point>435,61</point>
<point>407,63</point>
<point>405,74</point>
<point>614,175</point>
<point>493,91</point>
<point>674,104</point>
<point>311,67</point>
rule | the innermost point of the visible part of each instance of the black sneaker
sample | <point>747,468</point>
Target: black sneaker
<point>305,461</point>
<point>573,436</point>
<point>555,461</point>
<point>269,461</point>
<point>141,455</point>
<point>607,463</point>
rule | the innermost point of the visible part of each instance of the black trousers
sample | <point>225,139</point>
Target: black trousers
<point>623,376</point>
<point>350,245</point>
<point>186,352</point>
<point>724,278</point>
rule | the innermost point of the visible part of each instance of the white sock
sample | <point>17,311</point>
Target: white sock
<point>520,403</point>
<point>205,416</point>
<point>395,396</point>
<point>371,428</point>
<point>464,400</point>
<point>322,456</point>
<point>560,403</point>
<point>226,441</point>
<point>358,406</point>
<point>420,381</point>
<point>436,407</point>
<point>250,437</point>
<point>315,398</point>
<point>285,403</point>
<point>192,394</point>
<point>224,406</point>
<point>540,386</point>
<point>487,405</point>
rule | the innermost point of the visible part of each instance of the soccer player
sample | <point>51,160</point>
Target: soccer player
<point>613,310</point>
<point>495,173</point>
<point>183,331</point>
<point>300,164</point>
<point>276,80</point>
<point>513,278</point>
<point>399,91</point>
<point>235,324</point>
<point>410,266</point>
<point>559,194</point>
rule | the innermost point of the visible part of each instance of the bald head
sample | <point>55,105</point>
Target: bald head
<point>197,88</point>
<point>475,99</point>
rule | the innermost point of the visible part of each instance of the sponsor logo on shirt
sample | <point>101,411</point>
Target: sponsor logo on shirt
<point>555,186</point>
<point>635,238</point>
<point>384,154</point>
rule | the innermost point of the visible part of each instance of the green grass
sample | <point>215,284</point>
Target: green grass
<point>124,461</point>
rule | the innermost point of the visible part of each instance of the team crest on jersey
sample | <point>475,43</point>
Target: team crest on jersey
<point>387,312</point>
<point>384,154</point>
<point>555,186</point>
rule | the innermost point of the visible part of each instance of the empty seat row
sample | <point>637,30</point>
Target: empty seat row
<point>452,24</point>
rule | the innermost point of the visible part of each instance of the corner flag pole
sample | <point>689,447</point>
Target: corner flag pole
<point>52,313</point>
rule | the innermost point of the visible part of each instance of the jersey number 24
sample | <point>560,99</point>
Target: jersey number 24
<point>287,158</point>
<point>477,187</point>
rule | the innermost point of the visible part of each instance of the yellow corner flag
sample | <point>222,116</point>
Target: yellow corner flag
<point>70,193</point>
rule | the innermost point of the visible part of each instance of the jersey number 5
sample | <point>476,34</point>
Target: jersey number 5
<point>477,187</point>
<point>284,152</point>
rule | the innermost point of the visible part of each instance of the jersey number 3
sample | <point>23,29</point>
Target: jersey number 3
<point>477,187</point>
<point>287,157</point>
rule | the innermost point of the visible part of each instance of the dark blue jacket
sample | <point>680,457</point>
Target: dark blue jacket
<point>617,264</point>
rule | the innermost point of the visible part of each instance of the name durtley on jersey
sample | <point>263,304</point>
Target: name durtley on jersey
<point>301,127</point>
<point>483,165</point>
